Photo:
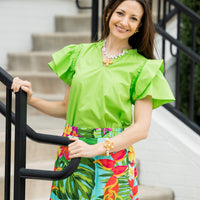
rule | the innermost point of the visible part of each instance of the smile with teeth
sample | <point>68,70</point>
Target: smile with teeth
<point>120,29</point>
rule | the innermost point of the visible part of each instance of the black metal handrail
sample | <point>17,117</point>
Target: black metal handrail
<point>22,130</point>
<point>82,7</point>
<point>48,139</point>
<point>178,44</point>
<point>173,8</point>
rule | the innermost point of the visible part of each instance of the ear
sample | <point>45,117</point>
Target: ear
<point>139,25</point>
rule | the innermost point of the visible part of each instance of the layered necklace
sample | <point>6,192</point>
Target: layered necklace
<point>109,58</point>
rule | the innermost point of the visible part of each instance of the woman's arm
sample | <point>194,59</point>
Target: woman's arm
<point>52,108</point>
<point>136,132</point>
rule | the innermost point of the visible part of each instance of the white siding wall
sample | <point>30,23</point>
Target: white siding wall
<point>170,156</point>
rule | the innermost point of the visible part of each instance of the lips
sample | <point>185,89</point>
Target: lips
<point>120,29</point>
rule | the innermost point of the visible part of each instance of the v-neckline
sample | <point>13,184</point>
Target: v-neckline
<point>100,45</point>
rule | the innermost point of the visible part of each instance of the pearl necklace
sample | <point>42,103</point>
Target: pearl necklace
<point>111,56</point>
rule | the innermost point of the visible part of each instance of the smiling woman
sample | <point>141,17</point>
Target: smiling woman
<point>125,20</point>
<point>143,39</point>
<point>105,79</point>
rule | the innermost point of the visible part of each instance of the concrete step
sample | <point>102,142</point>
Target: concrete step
<point>76,23</point>
<point>2,89</point>
<point>42,82</point>
<point>155,193</point>
<point>35,151</point>
<point>34,188</point>
<point>38,155</point>
<point>30,110</point>
<point>85,3</point>
<point>40,189</point>
<point>56,41</point>
<point>29,61</point>
<point>147,192</point>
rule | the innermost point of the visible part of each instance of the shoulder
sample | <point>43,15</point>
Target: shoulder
<point>150,64</point>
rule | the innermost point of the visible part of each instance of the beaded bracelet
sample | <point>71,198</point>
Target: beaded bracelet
<point>108,145</point>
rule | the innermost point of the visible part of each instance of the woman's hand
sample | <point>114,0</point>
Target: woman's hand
<point>24,85</point>
<point>78,148</point>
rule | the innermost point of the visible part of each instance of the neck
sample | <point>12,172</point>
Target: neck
<point>115,46</point>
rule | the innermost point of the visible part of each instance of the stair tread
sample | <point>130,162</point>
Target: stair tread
<point>62,34</point>
<point>146,191</point>
<point>42,164</point>
<point>30,53</point>
<point>75,16</point>
<point>33,73</point>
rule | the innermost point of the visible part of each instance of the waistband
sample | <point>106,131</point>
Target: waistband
<point>90,132</point>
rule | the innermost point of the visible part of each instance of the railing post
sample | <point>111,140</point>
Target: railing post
<point>178,60</point>
<point>20,144</point>
<point>8,144</point>
<point>192,77</point>
<point>95,24</point>
<point>164,27</point>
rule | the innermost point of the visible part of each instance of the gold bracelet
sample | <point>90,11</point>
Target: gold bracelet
<point>108,145</point>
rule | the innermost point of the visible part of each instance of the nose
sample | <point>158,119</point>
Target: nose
<point>124,21</point>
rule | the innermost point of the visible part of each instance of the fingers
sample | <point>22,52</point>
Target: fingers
<point>75,148</point>
<point>73,138</point>
<point>74,144</point>
<point>24,85</point>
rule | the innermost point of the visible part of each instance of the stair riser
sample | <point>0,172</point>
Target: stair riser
<point>2,89</point>
<point>40,189</point>
<point>35,189</point>
<point>30,109</point>
<point>57,41</point>
<point>29,62</point>
<point>45,84</point>
<point>35,152</point>
<point>72,24</point>
<point>41,84</point>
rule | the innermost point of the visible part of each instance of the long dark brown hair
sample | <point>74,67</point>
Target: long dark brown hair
<point>143,40</point>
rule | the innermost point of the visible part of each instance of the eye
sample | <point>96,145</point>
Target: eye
<point>119,13</point>
<point>134,19</point>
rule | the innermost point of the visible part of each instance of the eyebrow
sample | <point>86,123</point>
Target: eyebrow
<point>125,12</point>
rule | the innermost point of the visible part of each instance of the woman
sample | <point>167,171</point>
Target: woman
<point>105,79</point>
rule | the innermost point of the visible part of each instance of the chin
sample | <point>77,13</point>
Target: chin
<point>121,37</point>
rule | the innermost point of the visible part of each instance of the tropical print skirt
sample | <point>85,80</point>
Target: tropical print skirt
<point>112,177</point>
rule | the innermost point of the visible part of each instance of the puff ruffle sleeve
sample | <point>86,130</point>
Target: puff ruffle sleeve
<point>64,61</point>
<point>152,82</point>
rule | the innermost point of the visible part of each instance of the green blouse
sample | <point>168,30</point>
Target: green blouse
<point>102,97</point>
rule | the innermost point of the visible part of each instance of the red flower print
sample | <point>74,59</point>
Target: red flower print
<point>135,190</point>
<point>120,170</point>
<point>63,150</point>
<point>135,172</point>
<point>58,169</point>
<point>119,156</point>
<point>132,164</point>
<point>131,182</point>
<point>106,164</point>
<point>53,187</point>
<point>111,189</point>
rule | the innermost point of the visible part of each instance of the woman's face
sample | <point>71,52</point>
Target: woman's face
<point>125,20</point>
